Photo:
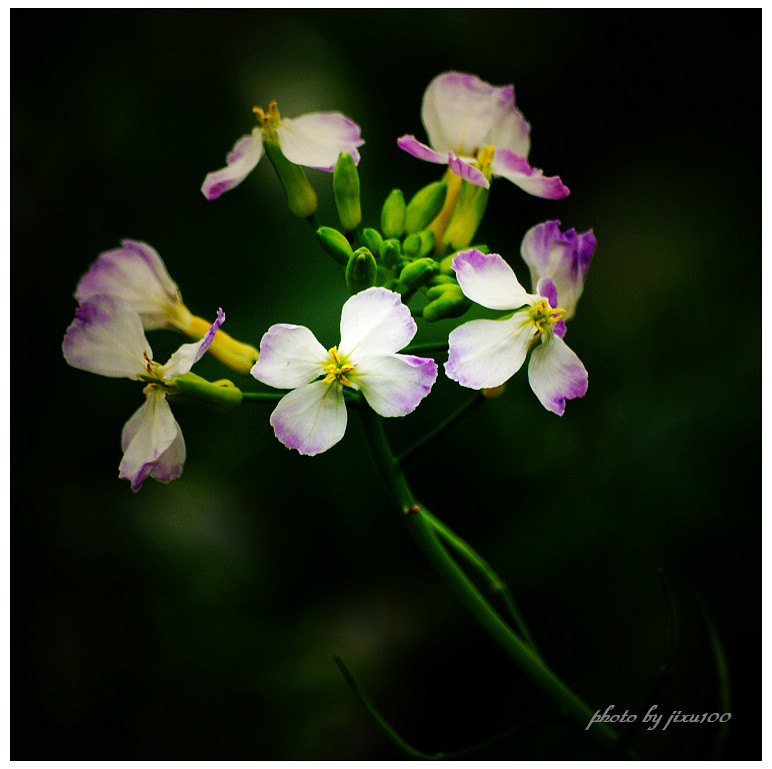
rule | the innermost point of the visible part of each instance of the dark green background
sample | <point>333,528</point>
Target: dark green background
<point>198,620</point>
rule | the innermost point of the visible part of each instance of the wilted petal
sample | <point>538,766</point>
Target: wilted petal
<point>244,156</point>
<point>136,274</point>
<point>316,140</point>
<point>517,169</point>
<point>106,338</point>
<point>152,443</point>
<point>556,374</point>
<point>373,322</point>
<point>562,256</point>
<point>485,353</point>
<point>394,385</point>
<point>312,418</point>
<point>463,113</point>
<point>183,359</point>
<point>419,150</point>
<point>488,280</point>
<point>290,356</point>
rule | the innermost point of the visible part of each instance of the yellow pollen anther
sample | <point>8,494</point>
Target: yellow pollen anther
<point>270,118</point>
<point>542,313</point>
<point>485,157</point>
<point>337,369</point>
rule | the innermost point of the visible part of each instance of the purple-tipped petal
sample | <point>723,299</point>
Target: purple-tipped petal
<point>467,171</point>
<point>556,374</point>
<point>152,443</point>
<point>419,150</point>
<point>312,418</point>
<point>242,159</point>
<point>374,322</point>
<point>290,356</point>
<point>517,169</point>
<point>316,140</point>
<point>183,359</point>
<point>488,280</point>
<point>486,353</point>
<point>562,256</point>
<point>394,385</point>
<point>106,338</point>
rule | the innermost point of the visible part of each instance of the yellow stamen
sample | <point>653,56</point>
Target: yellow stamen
<point>270,118</point>
<point>542,314</point>
<point>337,369</point>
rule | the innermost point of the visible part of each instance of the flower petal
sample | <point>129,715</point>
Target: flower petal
<point>106,338</point>
<point>488,280</point>
<point>463,113</point>
<point>485,353</point>
<point>136,274</point>
<point>562,256</point>
<point>244,156</point>
<point>312,418</point>
<point>316,140</point>
<point>467,171</point>
<point>183,359</point>
<point>419,150</point>
<point>152,443</point>
<point>517,169</point>
<point>374,322</point>
<point>290,356</point>
<point>546,288</point>
<point>394,385</point>
<point>556,374</point>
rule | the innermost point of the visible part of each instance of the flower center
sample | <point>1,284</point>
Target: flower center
<point>270,120</point>
<point>545,317</point>
<point>337,368</point>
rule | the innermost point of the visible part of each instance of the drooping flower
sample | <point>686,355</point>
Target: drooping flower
<point>564,257</point>
<point>314,140</point>
<point>136,275</point>
<point>107,338</point>
<point>486,353</point>
<point>374,325</point>
<point>463,115</point>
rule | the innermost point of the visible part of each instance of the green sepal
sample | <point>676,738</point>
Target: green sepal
<point>361,270</point>
<point>372,239</point>
<point>192,388</point>
<point>335,244</point>
<point>345,188</point>
<point>419,244</point>
<point>424,206</point>
<point>445,301</point>
<point>393,215</point>
<point>301,196</point>
<point>391,253</point>
<point>418,272</point>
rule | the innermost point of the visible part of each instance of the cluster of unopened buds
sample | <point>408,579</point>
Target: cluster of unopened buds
<point>419,262</point>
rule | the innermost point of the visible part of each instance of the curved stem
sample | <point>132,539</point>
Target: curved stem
<point>426,347</point>
<point>262,397</point>
<point>426,536</point>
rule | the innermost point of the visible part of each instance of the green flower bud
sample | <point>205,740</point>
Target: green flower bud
<point>391,253</point>
<point>467,216</point>
<point>425,205</point>
<point>372,239</point>
<point>445,301</point>
<point>418,272</point>
<point>393,215</point>
<point>345,187</point>
<point>419,244</point>
<point>192,388</point>
<point>301,196</point>
<point>335,244</point>
<point>361,270</point>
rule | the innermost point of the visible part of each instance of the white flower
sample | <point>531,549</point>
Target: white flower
<point>486,353</point>
<point>374,325</point>
<point>107,338</point>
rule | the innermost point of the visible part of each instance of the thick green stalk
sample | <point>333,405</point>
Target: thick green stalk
<point>423,531</point>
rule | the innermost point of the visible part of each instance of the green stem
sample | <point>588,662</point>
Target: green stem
<point>262,397</point>
<point>426,536</point>
<point>426,347</point>
<point>449,421</point>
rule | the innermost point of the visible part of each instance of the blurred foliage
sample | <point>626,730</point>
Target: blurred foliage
<point>199,620</point>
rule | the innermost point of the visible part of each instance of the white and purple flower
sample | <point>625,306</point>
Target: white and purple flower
<point>486,353</point>
<point>374,325</point>
<point>107,338</point>
<point>564,257</point>
<point>314,140</point>
<point>463,115</point>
